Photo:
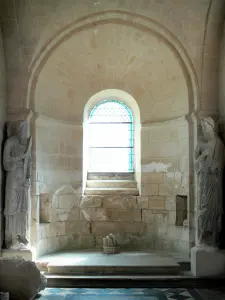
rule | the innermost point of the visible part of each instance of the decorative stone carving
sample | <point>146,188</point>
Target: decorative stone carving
<point>20,278</point>
<point>110,244</point>
<point>17,164</point>
<point>209,164</point>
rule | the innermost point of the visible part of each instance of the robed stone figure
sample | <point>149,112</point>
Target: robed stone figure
<point>17,164</point>
<point>209,165</point>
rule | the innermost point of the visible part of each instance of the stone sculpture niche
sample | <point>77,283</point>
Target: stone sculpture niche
<point>17,164</point>
<point>209,154</point>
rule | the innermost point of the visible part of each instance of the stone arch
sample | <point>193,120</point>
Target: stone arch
<point>127,18</point>
<point>134,21</point>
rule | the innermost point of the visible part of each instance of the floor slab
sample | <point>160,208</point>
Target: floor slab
<point>99,263</point>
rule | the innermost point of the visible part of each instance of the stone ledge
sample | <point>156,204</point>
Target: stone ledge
<point>8,253</point>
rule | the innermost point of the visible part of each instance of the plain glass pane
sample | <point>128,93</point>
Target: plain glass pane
<point>110,135</point>
<point>111,160</point>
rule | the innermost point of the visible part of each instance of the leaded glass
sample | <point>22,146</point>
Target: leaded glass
<point>111,140</point>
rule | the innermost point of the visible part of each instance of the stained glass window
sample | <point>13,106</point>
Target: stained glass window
<point>111,141</point>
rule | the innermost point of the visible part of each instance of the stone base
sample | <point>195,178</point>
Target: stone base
<point>207,261</point>
<point>25,254</point>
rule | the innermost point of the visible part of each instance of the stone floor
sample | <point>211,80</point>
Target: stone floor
<point>96,262</point>
<point>130,294</point>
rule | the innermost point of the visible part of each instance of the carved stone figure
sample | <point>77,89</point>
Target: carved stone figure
<point>17,163</point>
<point>209,164</point>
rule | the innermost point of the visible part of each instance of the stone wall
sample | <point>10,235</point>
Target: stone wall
<point>28,25</point>
<point>2,123</point>
<point>141,59</point>
<point>143,222</point>
<point>59,155</point>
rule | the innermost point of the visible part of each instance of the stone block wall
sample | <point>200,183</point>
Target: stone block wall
<point>165,174</point>
<point>144,222</point>
<point>80,222</point>
<point>58,155</point>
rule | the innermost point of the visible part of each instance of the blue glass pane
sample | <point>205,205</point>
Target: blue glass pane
<point>111,160</point>
<point>111,137</point>
<point>111,111</point>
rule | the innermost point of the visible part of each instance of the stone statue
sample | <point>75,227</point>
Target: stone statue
<point>209,164</point>
<point>17,163</point>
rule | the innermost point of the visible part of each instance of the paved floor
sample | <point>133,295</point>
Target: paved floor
<point>130,294</point>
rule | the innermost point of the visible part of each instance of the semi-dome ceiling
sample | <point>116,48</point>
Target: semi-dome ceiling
<point>112,56</point>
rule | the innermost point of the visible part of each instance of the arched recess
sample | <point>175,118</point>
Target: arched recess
<point>114,94</point>
<point>131,20</point>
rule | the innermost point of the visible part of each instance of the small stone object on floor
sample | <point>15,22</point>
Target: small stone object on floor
<point>110,244</point>
<point>20,278</point>
<point>4,296</point>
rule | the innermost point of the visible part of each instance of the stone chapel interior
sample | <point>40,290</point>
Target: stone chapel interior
<point>113,93</point>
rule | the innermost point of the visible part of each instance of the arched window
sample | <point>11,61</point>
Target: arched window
<point>111,137</point>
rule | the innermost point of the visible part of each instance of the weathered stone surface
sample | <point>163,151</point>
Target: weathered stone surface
<point>20,278</point>
<point>152,177</point>
<point>172,217</point>
<point>74,214</point>
<point>166,189</point>
<point>150,189</point>
<point>147,216</point>
<point>77,227</point>
<point>104,228</point>
<point>87,241</point>
<point>120,202</point>
<point>124,215</point>
<point>67,201</point>
<point>131,227</point>
<point>45,207</point>
<point>157,202</point>
<point>91,201</point>
<point>142,202</point>
<point>170,203</point>
<point>45,230</point>
<point>94,214</point>
<point>58,228</point>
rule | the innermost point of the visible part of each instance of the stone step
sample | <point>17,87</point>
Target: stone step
<point>157,267</point>
<point>110,176</point>
<point>97,263</point>
<point>111,184</point>
<point>184,266</point>
<point>111,191</point>
<point>183,280</point>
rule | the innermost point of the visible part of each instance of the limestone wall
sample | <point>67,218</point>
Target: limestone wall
<point>59,155</point>
<point>29,25</point>
<point>145,222</point>
<point>142,56</point>
<point>2,122</point>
